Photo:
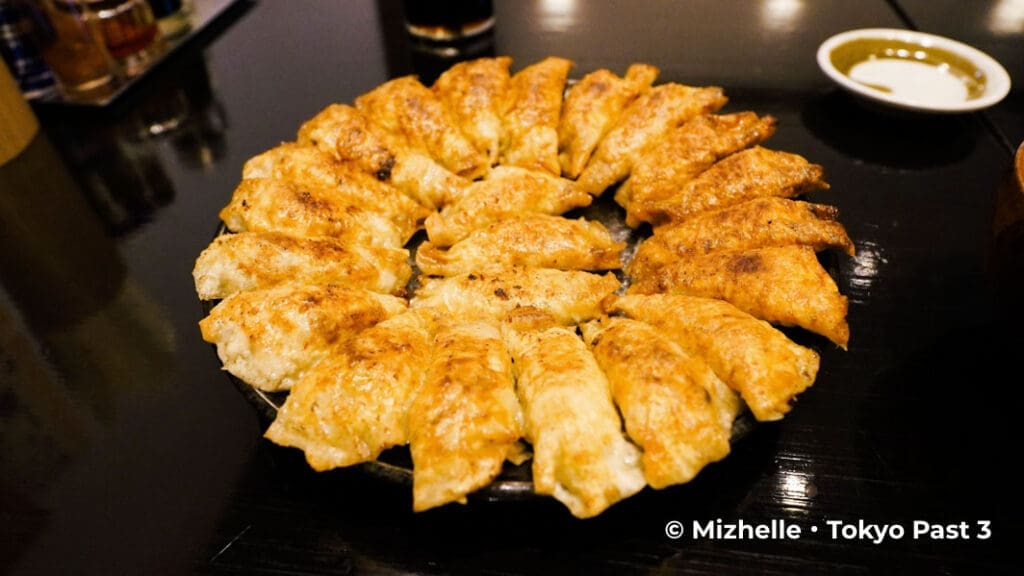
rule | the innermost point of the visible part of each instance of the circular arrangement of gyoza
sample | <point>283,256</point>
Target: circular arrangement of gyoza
<point>414,269</point>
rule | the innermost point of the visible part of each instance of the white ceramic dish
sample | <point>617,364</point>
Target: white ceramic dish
<point>911,70</point>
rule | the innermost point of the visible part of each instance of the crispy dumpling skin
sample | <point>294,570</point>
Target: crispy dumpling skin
<point>569,296</point>
<point>345,134</point>
<point>407,108</point>
<point>645,121</point>
<point>308,167</point>
<point>355,403</point>
<point>474,93</point>
<point>591,108</point>
<point>533,105</point>
<point>757,223</point>
<point>781,284</point>
<point>253,260</point>
<point>272,205</point>
<point>753,173</point>
<point>671,401</point>
<point>507,191</point>
<point>755,359</point>
<point>269,338</point>
<point>535,240</point>
<point>684,153</point>
<point>465,420</point>
<point>580,454</point>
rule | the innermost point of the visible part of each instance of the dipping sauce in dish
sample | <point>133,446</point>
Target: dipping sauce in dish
<point>910,71</point>
<point>913,70</point>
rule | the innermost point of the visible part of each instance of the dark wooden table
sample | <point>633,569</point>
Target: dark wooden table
<point>125,450</point>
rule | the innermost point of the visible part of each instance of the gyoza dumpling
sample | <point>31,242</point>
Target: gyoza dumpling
<point>783,285</point>
<point>474,93</point>
<point>646,121</point>
<point>507,191</point>
<point>345,134</point>
<point>271,205</point>
<point>532,109</point>
<point>674,406</point>
<point>757,223</point>
<point>591,108</point>
<point>406,108</point>
<point>580,454</point>
<point>251,260</point>
<point>684,153</point>
<point>465,420</point>
<point>269,338</point>
<point>355,402</point>
<point>570,296</point>
<point>755,359</point>
<point>308,168</point>
<point>753,173</point>
<point>536,240</point>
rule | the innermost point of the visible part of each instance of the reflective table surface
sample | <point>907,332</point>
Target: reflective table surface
<point>124,449</point>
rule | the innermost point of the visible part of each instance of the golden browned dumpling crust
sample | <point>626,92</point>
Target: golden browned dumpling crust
<point>474,92</point>
<point>752,357</point>
<point>411,111</point>
<point>591,108</point>
<point>569,296</point>
<point>355,403</point>
<point>533,105</point>
<point>667,398</point>
<point>272,205</point>
<point>643,123</point>
<point>753,173</point>
<point>465,420</point>
<point>784,285</point>
<point>346,135</point>
<point>251,260</point>
<point>684,153</point>
<point>580,454</point>
<point>269,338</point>
<point>757,223</point>
<point>536,240</point>
<point>507,191</point>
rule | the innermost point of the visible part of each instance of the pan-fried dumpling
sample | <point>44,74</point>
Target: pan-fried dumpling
<point>465,420</point>
<point>533,106</point>
<point>355,402</point>
<point>757,223</point>
<point>474,93</point>
<point>251,260</point>
<point>591,108</point>
<point>580,454</point>
<point>674,406</point>
<point>406,108</point>
<point>684,153</point>
<point>308,168</point>
<point>507,191</point>
<point>754,358</point>
<point>645,121</point>
<point>269,338</point>
<point>345,134</point>
<point>272,205</point>
<point>783,285</point>
<point>753,173</point>
<point>570,296</point>
<point>535,240</point>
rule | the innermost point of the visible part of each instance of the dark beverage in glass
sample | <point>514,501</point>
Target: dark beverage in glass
<point>446,20</point>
